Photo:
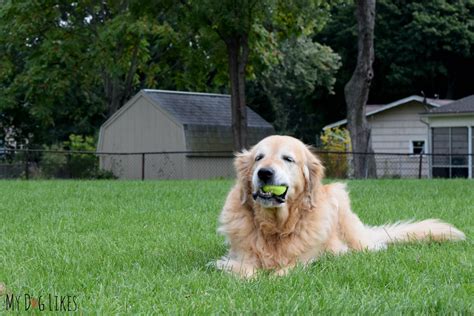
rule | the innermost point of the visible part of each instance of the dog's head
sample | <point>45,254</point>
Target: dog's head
<point>278,161</point>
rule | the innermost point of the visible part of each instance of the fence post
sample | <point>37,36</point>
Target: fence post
<point>69,171</point>
<point>420,165</point>
<point>143,166</point>
<point>27,169</point>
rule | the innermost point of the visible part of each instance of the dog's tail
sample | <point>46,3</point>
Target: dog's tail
<point>429,229</point>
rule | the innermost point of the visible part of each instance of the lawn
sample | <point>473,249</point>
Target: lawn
<point>132,247</point>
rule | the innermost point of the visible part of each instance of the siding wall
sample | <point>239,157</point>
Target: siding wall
<point>451,120</point>
<point>143,128</point>
<point>209,168</point>
<point>392,132</point>
<point>203,137</point>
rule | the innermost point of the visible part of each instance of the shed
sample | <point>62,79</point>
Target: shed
<point>174,135</point>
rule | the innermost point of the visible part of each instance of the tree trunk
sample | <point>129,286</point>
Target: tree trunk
<point>115,97</point>
<point>119,88</point>
<point>357,92</point>
<point>237,48</point>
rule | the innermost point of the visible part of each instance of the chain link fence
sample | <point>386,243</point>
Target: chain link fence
<point>51,164</point>
<point>388,165</point>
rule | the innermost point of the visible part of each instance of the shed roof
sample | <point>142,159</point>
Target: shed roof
<point>205,117</point>
<point>194,108</point>
<point>464,105</point>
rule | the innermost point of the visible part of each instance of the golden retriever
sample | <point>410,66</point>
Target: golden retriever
<point>277,232</point>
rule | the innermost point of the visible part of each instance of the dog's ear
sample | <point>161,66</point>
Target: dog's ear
<point>243,163</point>
<point>313,172</point>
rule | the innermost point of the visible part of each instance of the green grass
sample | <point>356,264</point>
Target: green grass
<point>142,247</point>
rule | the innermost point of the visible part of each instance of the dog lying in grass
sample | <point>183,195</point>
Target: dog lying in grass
<point>279,214</point>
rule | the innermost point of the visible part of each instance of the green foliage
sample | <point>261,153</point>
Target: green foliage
<point>285,65</point>
<point>80,143</point>
<point>82,165</point>
<point>69,65</point>
<point>66,66</point>
<point>426,41</point>
<point>304,69</point>
<point>419,46</point>
<point>39,60</point>
<point>52,164</point>
<point>56,162</point>
<point>335,140</point>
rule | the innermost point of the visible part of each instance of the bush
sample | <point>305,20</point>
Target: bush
<point>83,165</point>
<point>53,165</point>
<point>336,140</point>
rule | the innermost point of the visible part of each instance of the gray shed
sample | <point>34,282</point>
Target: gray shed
<point>174,121</point>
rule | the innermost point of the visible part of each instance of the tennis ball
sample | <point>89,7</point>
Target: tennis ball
<point>275,189</point>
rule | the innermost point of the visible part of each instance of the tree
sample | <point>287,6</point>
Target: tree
<point>426,46</point>
<point>419,46</point>
<point>305,69</point>
<point>122,51</point>
<point>232,21</point>
<point>357,92</point>
<point>239,24</point>
<point>67,66</point>
<point>43,78</point>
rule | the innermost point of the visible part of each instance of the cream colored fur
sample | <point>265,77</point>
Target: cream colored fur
<point>315,218</point>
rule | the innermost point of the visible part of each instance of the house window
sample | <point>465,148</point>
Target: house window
<point>418,147</point>
<point>450,152</point>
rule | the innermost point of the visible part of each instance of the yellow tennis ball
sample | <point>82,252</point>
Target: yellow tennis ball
<point>275,189</point>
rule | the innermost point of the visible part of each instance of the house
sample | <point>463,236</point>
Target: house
<point>407,126</point>
<point>451,138</point>
<point>193,128</point>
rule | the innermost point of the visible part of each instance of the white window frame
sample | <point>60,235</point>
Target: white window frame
<point>470,150</point>
<point>469,147</point>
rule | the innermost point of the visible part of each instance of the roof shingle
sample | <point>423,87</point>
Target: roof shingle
<point>201,108</point>
<point>464,105</point>
<point>207,119</point>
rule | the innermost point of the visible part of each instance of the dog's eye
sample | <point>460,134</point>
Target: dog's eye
<point>259,157</point>
<point>288,158</point>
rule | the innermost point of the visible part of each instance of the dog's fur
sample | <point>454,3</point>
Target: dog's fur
<point>314,218</point>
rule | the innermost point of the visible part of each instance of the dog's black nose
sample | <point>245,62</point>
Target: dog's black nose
<point>265,174</point>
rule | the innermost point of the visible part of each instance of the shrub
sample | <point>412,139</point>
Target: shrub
<point>83,165</point>
<point>53,165</point>
<point>336,140</point>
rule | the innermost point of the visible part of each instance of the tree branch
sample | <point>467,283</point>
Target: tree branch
<point>131,72</point>
<point>208,21</point>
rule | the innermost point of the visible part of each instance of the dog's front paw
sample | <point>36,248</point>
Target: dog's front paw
<point>239,268</point>
<point>222,264</point>
<point>211,265</point>
<point>281,272</point>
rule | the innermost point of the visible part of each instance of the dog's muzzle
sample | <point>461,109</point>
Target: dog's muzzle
<point>269,199</point>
